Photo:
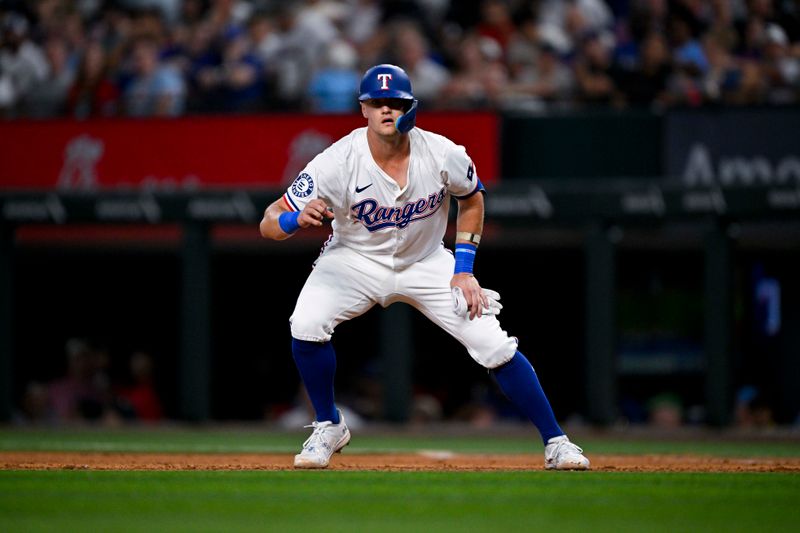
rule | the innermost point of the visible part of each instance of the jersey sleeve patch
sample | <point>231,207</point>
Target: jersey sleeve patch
<point>300,192</point>
<point>302,186</point>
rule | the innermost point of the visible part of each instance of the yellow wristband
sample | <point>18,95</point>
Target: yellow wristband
<point>474,238</point>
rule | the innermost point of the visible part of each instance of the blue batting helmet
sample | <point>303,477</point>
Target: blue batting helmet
<point>390,81</point>
<point>385,81</point>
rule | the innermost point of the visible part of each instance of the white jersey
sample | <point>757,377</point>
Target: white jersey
<point>372,214</point>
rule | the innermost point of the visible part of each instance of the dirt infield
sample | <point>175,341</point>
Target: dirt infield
<point>425,461</point>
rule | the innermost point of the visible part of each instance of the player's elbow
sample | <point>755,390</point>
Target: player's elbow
<point>263,228</point>
<point>269,226</point>
<point>270,229</point>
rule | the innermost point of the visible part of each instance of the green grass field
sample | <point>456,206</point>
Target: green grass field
<point>76,500</point>
<point>217,439</point>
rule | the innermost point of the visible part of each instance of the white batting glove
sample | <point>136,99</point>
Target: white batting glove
<point>460,303</point>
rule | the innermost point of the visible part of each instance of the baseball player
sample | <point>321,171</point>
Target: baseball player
<point>387,189</point>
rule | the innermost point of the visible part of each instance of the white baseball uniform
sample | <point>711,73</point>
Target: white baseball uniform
<point>387,245</point>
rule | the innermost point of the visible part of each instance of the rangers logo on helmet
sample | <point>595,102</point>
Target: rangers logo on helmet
<point>384,77</point>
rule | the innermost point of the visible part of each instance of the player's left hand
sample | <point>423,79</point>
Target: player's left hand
<point>460,304</point>
<point>471,292</point>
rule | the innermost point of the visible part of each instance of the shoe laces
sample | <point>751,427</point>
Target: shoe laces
<point>318,435</point>
<point>564,446</point>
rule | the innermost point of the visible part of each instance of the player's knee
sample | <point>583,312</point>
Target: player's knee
<point>498,354</point>
<point>309,328</point>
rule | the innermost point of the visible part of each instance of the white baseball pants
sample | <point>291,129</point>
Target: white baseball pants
<point>345,284</point>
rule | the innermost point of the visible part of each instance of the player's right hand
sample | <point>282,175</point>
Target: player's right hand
<point>314,213</point>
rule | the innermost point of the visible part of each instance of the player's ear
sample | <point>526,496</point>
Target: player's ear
<point>363,110</point>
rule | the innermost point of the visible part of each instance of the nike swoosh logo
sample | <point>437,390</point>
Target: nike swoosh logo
<point>362,189</point>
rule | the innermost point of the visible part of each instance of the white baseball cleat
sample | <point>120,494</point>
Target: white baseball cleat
<point>327,439</point>
<point>561,454</point>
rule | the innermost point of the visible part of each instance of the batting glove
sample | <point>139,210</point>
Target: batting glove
<point>460,303</point>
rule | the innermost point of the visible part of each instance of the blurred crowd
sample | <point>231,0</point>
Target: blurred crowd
<point>89,391</point>
<point>103,58</point>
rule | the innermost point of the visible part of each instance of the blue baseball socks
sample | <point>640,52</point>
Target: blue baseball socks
<point>518,381</point>
<point>316,362</point>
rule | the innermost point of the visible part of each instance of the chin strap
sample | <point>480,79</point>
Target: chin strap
<point>405,122</point>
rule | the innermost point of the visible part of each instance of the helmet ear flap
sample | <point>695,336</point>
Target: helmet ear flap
<point>407,120</point>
